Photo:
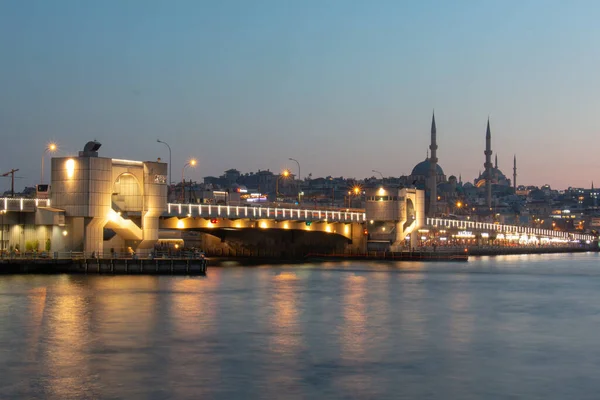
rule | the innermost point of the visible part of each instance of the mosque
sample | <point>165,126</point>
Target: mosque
<point>430,176</point>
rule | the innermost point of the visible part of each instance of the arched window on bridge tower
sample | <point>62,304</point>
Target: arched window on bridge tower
<point>127,194</point>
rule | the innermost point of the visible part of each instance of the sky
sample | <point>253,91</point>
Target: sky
<point>343,86</point>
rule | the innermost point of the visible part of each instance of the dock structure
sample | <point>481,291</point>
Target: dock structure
<point>85,264</point>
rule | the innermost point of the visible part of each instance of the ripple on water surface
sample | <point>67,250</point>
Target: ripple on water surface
<point>503,327</point>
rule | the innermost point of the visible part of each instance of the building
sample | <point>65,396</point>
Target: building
<point>108,201</point>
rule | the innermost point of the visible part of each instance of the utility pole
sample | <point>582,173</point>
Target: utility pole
<point>12,180</point>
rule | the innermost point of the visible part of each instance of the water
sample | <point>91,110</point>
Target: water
<point>493,328</point>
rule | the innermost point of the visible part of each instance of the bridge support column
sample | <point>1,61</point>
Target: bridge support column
<point>155,202</point>
<point>150,231</point>
<point>94,235</point>
<point>359,240</point>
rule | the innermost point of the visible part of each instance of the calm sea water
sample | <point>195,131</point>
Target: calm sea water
<point>493,328</point>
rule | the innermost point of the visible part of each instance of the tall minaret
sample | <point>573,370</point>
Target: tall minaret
<point>433,170</point>
<point>496,162</point>
<point>515,173</point>
<point>488,165</point>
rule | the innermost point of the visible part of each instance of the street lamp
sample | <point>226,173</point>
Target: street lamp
<point>191,163</point>
<point>377,172</point>
<point>169,147</point>
<point>284,175</point>
<point>50,148</point>
<point>2,212</point>
<point>356,189</point>
<point>299,177</point>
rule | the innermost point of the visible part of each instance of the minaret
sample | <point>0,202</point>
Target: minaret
<point>496,162</point>
<point>515,173</point>
<point>488,165</point>
<point>433,170</point>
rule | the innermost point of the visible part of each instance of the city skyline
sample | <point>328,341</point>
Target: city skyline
<point>344,89</point>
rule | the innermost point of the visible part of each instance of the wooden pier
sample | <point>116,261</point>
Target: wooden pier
<point>110,266</point>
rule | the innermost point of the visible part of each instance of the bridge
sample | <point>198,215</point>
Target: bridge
<point>98,203</point>
<point>511,232</point>
<point>46,222</point>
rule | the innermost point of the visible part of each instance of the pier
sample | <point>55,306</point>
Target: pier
<point>74,263</point>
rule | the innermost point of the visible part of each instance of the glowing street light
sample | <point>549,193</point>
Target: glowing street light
<point>354,191</point>
<point>284,174</point>
<point>51,147</point>
<point>191,163</point>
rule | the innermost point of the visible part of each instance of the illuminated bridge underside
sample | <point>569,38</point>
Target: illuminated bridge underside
<point>263,213</point>
<point>505,229</point>
<point>205,225</point>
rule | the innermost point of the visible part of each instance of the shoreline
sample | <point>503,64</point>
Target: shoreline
<point>425,256</point>
<point>199,267</point>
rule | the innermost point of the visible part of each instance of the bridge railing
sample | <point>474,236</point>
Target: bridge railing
<point>234,212</point>
<point>22,204</point>
<point>505,229</point>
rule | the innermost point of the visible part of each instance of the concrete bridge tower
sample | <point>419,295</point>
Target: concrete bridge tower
<point>433,170</point>
<point>488,165</point>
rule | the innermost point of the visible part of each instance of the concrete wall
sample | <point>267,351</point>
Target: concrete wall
<point>85,190</point>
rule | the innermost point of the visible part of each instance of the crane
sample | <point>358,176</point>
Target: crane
<point>12,180</point>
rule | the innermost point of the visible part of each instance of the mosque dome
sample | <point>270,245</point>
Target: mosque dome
<point>423,168</point>
<point>497,178</point>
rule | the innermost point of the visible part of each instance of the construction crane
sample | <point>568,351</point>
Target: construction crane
<point>12,180</point>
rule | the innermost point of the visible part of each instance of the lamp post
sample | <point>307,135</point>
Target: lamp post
<point>169,147</point>
<point>299,177</point>
<point>284,174</point>
<point>2,212</point>
<point>50,148</point>
<point>192,163</point>
<point>382,179</point>
<point>356,192</point>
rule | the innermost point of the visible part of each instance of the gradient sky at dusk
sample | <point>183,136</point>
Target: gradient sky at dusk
<point>343,86</point>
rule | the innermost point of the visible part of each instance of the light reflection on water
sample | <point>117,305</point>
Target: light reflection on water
<point>522,327</point>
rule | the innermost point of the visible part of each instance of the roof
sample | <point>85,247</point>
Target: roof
<point>424,167</point>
